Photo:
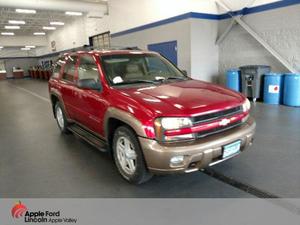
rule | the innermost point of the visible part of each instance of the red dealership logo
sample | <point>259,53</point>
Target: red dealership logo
<point>18,210</point>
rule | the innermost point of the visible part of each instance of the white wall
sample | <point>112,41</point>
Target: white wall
<point>279,27</point>
<point>97,26</point>
<point>15,52</point>
<point>179,31</point>
<point>123,15</point>
<point>23,63</point>
<point>13,41</point>
<point>69,36</point>
<point>238,4</point>
<point>204,51</point>
<point>128,14</point>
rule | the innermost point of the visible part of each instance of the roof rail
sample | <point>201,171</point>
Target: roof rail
<point>91,48</point>
<point>115,48</point>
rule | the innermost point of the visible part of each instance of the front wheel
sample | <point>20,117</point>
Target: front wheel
<point>61,118</point>
<point>128,156</point>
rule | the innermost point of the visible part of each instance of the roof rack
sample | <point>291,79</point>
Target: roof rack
<point>87,47</point>
<point>91,48</point>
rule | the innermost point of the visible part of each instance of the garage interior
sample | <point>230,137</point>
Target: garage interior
<point>205,38</point>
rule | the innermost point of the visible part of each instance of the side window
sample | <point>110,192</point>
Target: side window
<point>70,67</point>
<point>87,68</point>
<point>57,68</point>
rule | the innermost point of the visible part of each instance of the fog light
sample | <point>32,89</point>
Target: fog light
<point>177,160</point>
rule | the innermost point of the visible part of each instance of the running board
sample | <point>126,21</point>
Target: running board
<point>89,137</point>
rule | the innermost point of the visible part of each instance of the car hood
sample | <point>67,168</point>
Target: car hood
<point>184,98</point>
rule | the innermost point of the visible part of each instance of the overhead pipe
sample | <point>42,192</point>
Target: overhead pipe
<point>56,5</point>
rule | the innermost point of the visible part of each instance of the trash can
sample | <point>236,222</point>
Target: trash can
<point>273,88</point>
<point>233,79</point>
<point>291,91</point>
<point>252,81</point>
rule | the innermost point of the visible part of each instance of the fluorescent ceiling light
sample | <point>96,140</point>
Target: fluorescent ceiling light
<point>25,49</point>
<point>73,13</point>
<point>12,27</point>
<point>57,23</point>
<point>28,11</point>
<point>39,33</point>
<point>29,46</point>
<point>8,33</point>
<point>16,22</point>
<point>49,28</point>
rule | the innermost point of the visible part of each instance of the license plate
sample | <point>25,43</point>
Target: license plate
<point>231,149</point>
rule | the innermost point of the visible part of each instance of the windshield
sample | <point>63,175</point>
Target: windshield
<point>139,68</point>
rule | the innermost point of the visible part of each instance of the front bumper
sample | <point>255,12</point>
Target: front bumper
<point>198,154</point>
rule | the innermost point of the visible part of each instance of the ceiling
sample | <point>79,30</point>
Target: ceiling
<point>35,22</point>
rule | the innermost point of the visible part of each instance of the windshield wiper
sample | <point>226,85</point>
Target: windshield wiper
<point>137,81</point>
<point>173,78</point>
<point>176,78</point>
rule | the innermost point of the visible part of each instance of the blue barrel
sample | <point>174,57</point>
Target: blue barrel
<point>233,79</point>
<point>291,92</point>
<point>273,88</point>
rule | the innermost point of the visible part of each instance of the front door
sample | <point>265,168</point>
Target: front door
<point>67,84</point>
<point>90,104</point>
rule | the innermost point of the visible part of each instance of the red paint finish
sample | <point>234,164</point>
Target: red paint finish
<point>145,102</point>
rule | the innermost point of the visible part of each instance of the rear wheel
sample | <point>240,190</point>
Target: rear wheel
<point>128,156</point>
<point>61,118</point>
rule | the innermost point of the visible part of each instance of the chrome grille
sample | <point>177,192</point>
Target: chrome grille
<point>217,115</point>
<point>218,129</point>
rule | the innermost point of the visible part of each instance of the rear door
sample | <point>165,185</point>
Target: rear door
<point>90,104</point>
<point>67,84</point>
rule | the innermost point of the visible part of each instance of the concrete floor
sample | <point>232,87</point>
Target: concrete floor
<point>37,161</point>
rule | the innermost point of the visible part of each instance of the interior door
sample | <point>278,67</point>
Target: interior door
<point>67,84</point>
<point>90,104</point>
<point>166,49</point>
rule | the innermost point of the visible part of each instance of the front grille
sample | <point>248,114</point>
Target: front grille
<point>218,129</point>
<point>217,115</point>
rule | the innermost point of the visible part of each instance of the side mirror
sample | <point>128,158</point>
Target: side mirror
<point>89,84</point>
<point>184,72</point>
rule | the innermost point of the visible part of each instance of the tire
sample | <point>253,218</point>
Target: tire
<point>61,118</point>
<point>131,165</point>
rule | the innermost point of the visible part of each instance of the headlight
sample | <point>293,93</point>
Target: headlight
<point>246,106</point>
<point>174,123</point>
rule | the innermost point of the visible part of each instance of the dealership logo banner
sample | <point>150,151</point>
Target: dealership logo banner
<point>22,214</point>
<point>149,211</point>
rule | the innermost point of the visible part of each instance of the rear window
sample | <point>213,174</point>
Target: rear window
<point>57,67</point>
<point>70,68</point>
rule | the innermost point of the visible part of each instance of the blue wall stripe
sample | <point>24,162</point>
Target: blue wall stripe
<point>169,20</point>
<point>207,16</point>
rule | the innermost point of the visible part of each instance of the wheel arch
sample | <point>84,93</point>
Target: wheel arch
<point>54,98</point>
<point>115,117</point>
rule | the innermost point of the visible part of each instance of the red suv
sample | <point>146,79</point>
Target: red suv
<point>147,113</point>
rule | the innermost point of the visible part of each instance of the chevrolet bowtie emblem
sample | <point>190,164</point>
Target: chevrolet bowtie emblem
<point>224,122</point>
